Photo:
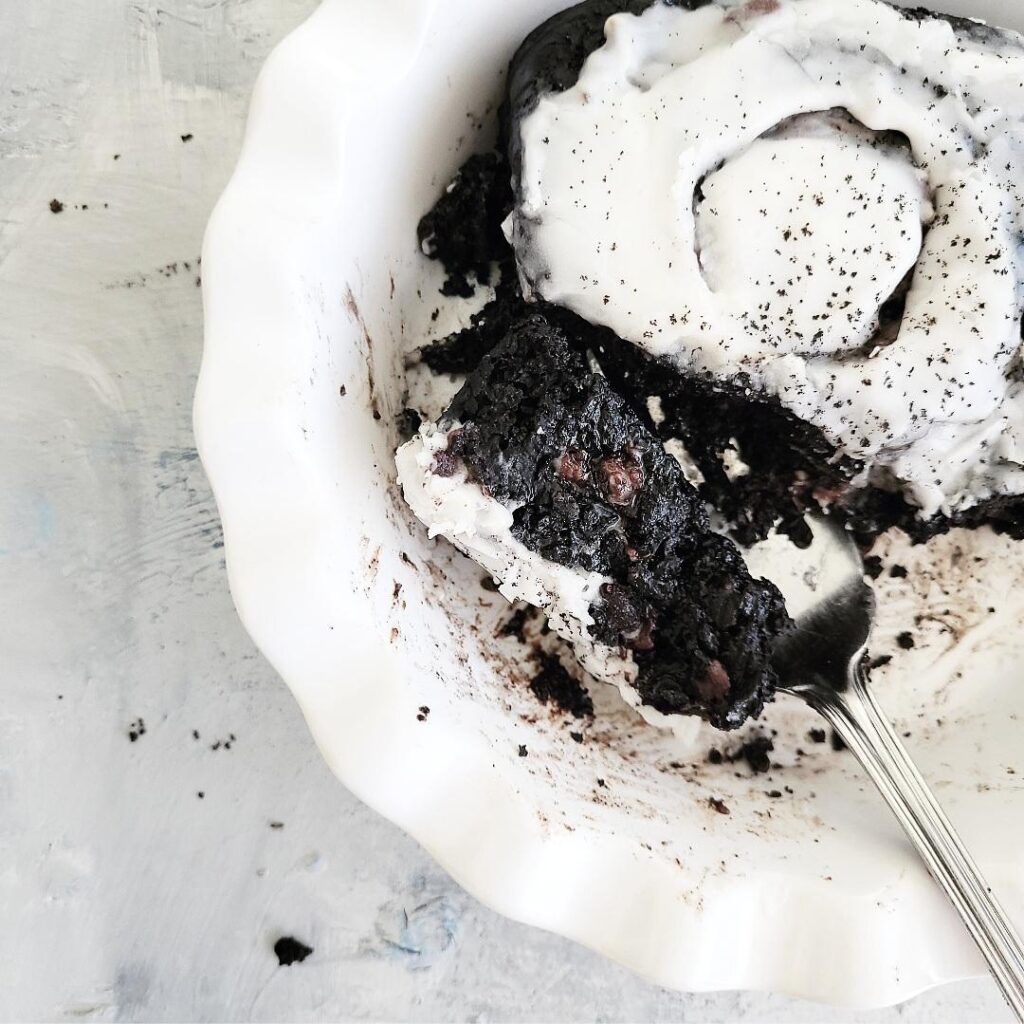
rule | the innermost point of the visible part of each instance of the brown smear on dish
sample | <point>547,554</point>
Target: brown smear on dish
<point>353,310</point>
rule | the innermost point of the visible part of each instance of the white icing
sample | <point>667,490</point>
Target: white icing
<point>481,527</point>
<point>674,447</point>
<point>806,224</point>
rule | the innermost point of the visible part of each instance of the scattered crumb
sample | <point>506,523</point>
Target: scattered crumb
<point>343,391</point>
<point>291,951</point>
<point>879,661</point>
<point>277,824</point>
<point>905,640</point>
<point>754,751</point>
<point>817,736</point>
<point>553,685</point>
<point>201,795</point>
<point>718,805</point>
<point>898,572</point>
<point>514,626</point>
<point>187,137</point>
<point>422,714</point>
<point>522,750</point>
<point>56,206</point>
<point>873,566</point>
<point>602,783</point>
<point>838,743</point>
<point>195,734</point>
<point>408,421</point>
<point>576,737</point>
<point>774,794</point>
<point>136,730</point>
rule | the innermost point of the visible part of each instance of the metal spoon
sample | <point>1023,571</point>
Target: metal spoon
<point>821,663</point>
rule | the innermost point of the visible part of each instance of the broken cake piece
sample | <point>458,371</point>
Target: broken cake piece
<point>543,475</point>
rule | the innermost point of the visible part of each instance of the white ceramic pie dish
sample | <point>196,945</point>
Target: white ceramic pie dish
<point>313,285</point>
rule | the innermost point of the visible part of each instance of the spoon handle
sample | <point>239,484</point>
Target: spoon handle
<point>857,718</point>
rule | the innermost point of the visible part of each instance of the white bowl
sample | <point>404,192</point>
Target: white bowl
<point>311,280</point>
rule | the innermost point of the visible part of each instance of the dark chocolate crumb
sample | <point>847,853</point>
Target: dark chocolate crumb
<point>898,572</point>
<point>755,752</point>
<point>195,734</point>
<point>291,951</point>
<point>905,640</point>
<point>774,794</point>
<point>201,795</point>
<point>136,730</point>
<point>838,743</point>
<point>576,737</point>
<point>343,391</point>
<point>553,685</point>
<point>489,585</point>
<point>817,736</point>
<point>522,750</point>
<point>602,783</point>
<point>879,661</point>
<point>409,421</point>
<point>715,756</point>
<point>187,137</point>
<point>56,206</point>
<point>514,627</point>
<point>719,805</point>
<point>277,824</point>
<point>873,566</point>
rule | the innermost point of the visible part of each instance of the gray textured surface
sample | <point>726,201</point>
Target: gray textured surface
<point>126,896</point>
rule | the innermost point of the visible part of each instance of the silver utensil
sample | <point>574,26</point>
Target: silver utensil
<point>821,662</point>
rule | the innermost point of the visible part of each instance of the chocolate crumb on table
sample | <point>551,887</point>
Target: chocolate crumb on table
<point>136,730</point>
<point>905,640</point>
<point>56,206</point>
<point>718,805</point>
<point>291,951</point>
<point>522,750</point>
<point>817,736</point>
<point>423,713</point>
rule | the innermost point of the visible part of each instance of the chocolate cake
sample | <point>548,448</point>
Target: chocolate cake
<point>791,343</point>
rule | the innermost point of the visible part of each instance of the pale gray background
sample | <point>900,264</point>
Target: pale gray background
<point>123,895</point>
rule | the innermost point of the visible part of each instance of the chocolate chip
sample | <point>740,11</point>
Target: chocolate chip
<point>572,466</point>
<point>444,464</point>
<point>620,477</point>
<point>713,684</point>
